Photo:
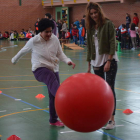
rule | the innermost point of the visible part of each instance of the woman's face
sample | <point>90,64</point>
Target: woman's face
<point>46,34</point>
<point>94,14</point>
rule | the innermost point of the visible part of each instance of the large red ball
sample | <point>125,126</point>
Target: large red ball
<point>84,102</point>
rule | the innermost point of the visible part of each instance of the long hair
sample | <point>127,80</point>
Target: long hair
<point>89,21</point>
<point>133,26</point>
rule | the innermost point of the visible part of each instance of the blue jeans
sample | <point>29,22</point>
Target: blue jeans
<point>81,39</point>
<point>75,39</point>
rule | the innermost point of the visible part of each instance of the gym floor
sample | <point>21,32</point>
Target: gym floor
<point>22,114</point>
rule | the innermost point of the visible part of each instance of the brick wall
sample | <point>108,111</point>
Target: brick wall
<point>114,11</point>
<point>15,17</point>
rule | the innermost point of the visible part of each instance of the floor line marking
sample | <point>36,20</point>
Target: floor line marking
<point>22,112</point>
<point>24,87</point>
<point>24,102</point>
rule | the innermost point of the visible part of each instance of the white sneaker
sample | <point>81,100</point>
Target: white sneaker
<point>110,125</point>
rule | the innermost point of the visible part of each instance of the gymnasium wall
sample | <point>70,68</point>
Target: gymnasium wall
<point>15,17</point>
<point>114,11</point>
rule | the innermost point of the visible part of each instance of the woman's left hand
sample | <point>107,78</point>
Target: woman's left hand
<point>71,63</point>
<point>107,66</point>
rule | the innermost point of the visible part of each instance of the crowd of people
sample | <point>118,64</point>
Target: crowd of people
<point>128,34</point>
<point>76,33</point>
<point>14,35</point>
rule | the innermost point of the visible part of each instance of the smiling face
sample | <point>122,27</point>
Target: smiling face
<point>94,15</point>
<point>46,34</point>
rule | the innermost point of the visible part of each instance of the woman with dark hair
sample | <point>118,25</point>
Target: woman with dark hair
<point>133,36</point>
<point>101,49</point>
<point>128,21</point>
<point>46,53</point>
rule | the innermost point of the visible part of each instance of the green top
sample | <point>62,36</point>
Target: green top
<point>106,38</point>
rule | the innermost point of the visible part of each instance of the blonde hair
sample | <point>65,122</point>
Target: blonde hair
<point>89,21</point>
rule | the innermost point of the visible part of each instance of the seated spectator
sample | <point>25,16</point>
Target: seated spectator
<point>32,32</point>
<point>28,35</point>
<point>5,35</point>
<point>12,35</point>
<point>1,37</point>
<point>24,32</point>
<point>21,36</point>
<point>15,35</point>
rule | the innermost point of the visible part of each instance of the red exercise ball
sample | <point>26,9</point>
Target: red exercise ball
<point>84,102</point>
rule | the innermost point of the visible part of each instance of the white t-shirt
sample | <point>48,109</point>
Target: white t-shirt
<point>44,53</point>
<point>100,59</point>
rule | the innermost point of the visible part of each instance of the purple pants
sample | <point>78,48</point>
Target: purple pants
<point>52,81</point>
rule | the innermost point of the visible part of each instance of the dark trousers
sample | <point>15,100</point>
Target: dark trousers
<point>127,26</point>
<point>52,81</point>
<point>123,42</point>
<point>110,77</point>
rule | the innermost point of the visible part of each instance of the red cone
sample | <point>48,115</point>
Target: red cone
<point>127,111</point>
<point>0,91</point>
<point>13,137</point>
<point>40,96</point>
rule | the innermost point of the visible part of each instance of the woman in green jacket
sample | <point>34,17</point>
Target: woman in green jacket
<point>101,48</point>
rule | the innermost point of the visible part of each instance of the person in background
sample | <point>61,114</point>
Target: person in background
<point>59,25</point>
<point>24,32</point>
<point>83,24</point>
<point>28,35</point>
<point>5,35</point>
<point>81,34</point>
<point>71,27</point>
<point>75,33</point>
<point>68,36</point>
<point>133,36</point>
<point>64,29</point>
<point>1,37</point>
<point>128,21</point>
<point>77,23</point>
<point>136,19</point>
<point>36,26</point>
<point>11,35</point>
<point>49,16</point>
<point>15,35</point>
<point>21,36</point>
<point>123,36</point>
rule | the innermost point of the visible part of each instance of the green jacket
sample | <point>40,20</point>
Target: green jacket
<point>106,38</point>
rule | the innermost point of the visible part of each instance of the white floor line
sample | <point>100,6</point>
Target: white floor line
<point>3,111</point>
<point>118,100</point>
<point>17,99</point>
<point>27,108</point>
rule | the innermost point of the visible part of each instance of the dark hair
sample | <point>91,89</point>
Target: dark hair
<point>84,16</point>
<point>133,26</point>
<point>89,21</point>
<point>123,25</point>
<point>48,15</point>
<point>45,23</point>
<point>74,25</point>
<point>80,23</point>
<point>135,14</point>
